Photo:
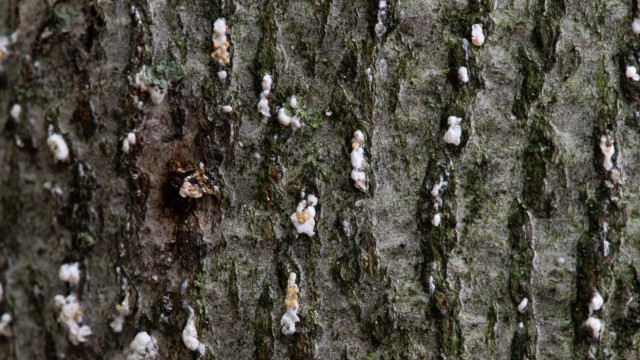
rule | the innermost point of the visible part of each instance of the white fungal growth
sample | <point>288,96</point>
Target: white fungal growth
<point>596,302</point>
<point>227,109</point>
<point>594,325</point>
<point>4,47</point>
<point>157,94</point>
<point>263,104</point>
<point>432,285</point>
<point>477,35</point>
<point>632,73</point>
<point>607,149</point>
<point>15,112</point>
<point>437,201</point>
<point>294,120</point>
<point>140,78</point>
<point>523,305</point>
<point>71,316</point>
<point>380,28</point>
<point>190,334</point>
<point>5,325</point>
<point>435,191</point>
<point>220,43</point>
<point>58,147</point>
<point>290,317</point>
<point>304,219</point>
<point>143,347</point>
<point>635,26</point>
<point>463,74</point>
<point>358,163</point>
<point>437,218</point>
<point>452,136</point>
<point>222,75</point>
<point>124,310</point>
<point>70,273</point>
<point>128,142</point>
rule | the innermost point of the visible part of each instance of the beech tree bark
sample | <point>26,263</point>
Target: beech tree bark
<point>529,211</point>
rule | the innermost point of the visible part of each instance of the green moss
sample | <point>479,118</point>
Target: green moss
<point>266,57</point>
<point>263,338</point>
<point>532,82</point>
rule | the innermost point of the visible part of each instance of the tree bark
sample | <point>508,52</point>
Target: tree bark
<point>528,209</point>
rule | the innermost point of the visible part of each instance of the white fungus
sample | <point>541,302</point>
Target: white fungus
<point>432,285</point>
<point>358,163</point>
<point>437,201</point>
<point>5,325</point>
<point>143,347</point>
<point>15,112</point>
<point>294,120</point>
<point>222,75</point>
<point>58,147</point>
<point>435,221</point>
<point>71,316</point>
<point>190,334</point>
<point>263,104</point>
<point>452,136</point>
<point>128,142</point>
<point>607,149</point>
<point>227,108</point>
<point>596,302</point>
<point>124,310</point>
<point>635,26</point>
<point>380,29</point>
<point>523,305</point>
<point>463,74</point>
<point>70,273</point>
<point>290,317</point>
<point>157,94</point>
<point>632,73</point>
<point>304,219</point>
<point>477,36</point>
<point>594,325</point>
<point>220,43</point>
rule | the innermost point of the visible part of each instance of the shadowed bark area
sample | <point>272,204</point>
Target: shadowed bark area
<point>432,261</point>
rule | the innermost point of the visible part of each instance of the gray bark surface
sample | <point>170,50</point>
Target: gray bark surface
<point>528,212</point>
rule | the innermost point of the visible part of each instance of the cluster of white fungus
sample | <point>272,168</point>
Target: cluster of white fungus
<point>358,163</point>
<point>190,334</point>
<point>463,74</point>
<point>635,26</point>
<point>290,317</point>
<point>290,120</point>
<point>15,112</point>
<point>58,146</point>
<point>227,108</point>
<point>263,104</point>
<point>128,142</point>
<point>5,42</point>
<point>607,149</point>
<point>592,323</point>
<point>304,219</point>
<point>454,132</point>
<point>437,201</point>
<point>477,36</point>
<point>380,29</point>
<point>124,310</point>
<point>220,43</point>
<point>5,319</point>
<point>632,73</point>
<point>70,312</point>
<point>523,305</point>
<point>139,82</point>
<point>143,347</point>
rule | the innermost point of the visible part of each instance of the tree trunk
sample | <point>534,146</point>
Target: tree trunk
<point>527,208</point>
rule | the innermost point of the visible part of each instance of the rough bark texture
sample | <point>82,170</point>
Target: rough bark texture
<point>529,210</point>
